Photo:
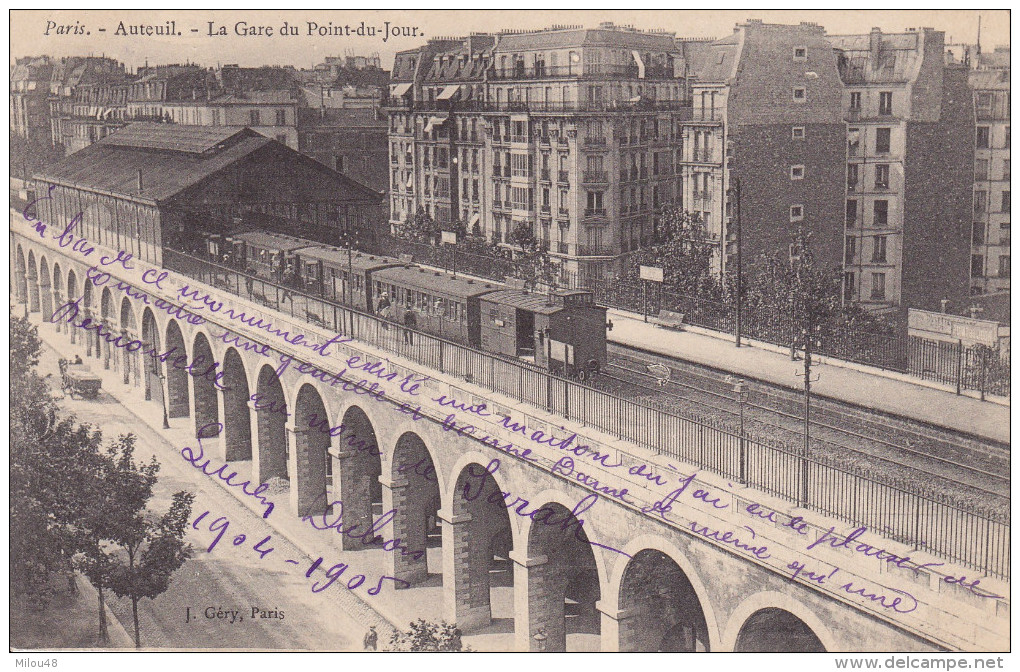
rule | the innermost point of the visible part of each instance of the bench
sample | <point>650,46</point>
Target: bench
<point>669,319</point>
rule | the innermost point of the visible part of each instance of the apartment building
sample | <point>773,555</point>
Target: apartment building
<point>271,113</point>
<point>30,89</point>
<point>83,90</point>
<point>570,133</point>
<point>908,173</point>
<point>766,121</point>
<point>990,236</point>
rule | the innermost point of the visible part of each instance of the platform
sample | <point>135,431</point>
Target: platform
<point>889,393</point>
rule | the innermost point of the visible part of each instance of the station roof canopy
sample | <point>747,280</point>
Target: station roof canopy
<point>194,165</point>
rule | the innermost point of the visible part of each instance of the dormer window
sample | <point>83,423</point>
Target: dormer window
<point>799,54</point>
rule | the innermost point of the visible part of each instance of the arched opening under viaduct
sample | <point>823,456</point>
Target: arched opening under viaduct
<point>775,630</point>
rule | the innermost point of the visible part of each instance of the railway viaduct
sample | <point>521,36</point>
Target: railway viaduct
<point>606,539</point>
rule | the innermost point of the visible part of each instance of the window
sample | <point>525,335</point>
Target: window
<point>1006,139</point>
<point>881,217</point>
<point>1005,201</point>
<point>878,286</point>
<point>798,132</point>
<point>851,249</point>
<point>253,117</point>
<point>1004,233</point>
<point>800,54</point>
<point>281,117</point>
<point>980,202</point>
<point>1003,267</point>
<point>977,235</point>
<point>983,134</point>
<point>879,250</point>
<point>851,213</point>
<point>855,100</point>
<point>595,202</point>
<point>977,265</point>
<point>981,169</point>
<point>799,94</point>
<point>796,172</point>
<point>882,176</point>
<point>883,140</point>
<point>848,286</point>
<point>853,141</point>
<point>796,213</point>
<point>1005,169</point>
<point>851,176</point>
<point>885,103</point>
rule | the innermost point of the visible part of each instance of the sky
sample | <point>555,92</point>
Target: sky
<point>28,30</point>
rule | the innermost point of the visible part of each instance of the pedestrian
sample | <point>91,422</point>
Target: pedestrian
<point>383,308</point>
<point>410,323</point>
<point>371,639</point>
<point>249,281</point>
<point>288,280</point>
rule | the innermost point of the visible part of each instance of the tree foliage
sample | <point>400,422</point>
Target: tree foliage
<point>683,251</point>
<point>427,636</point>
<point>419,228</point>
<point>28,157</point>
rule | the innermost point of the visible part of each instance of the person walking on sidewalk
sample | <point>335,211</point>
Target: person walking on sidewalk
<point>371,639</point>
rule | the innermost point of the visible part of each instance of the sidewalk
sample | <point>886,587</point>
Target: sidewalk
<point>881,393</point>
<point>387,610</point>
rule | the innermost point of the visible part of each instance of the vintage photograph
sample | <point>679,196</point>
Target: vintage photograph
<point>502,331</point>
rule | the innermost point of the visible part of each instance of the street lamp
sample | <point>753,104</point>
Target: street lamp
<point>163,390</point>
<point>742,392</point>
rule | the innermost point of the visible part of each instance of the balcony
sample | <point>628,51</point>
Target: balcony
<point>594,212</point>
<point>498,139</point>
<point>506,171</point>
<point>595,142</point>
<point>596,176</point>
<point>543,140</point>
<point>564,212</point>
<point>701,156</point>
<point>853,114</point>
<point>520,139</point>
<point>544,175</point>
<point>564,176</point>
<point>644,173</point>
<point>562,140</point>
<point>562,248</point>
<point>546,210</point>
<point>594,250</point>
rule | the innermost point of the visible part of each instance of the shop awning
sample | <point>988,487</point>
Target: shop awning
<point>449,92</point>
<point>400,89</point>
<point>640,65</point>
<point>434,121</point>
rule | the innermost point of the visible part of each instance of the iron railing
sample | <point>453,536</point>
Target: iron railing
<point>967,536</point>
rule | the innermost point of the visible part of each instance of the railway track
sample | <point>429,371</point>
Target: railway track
<point>898,447</point>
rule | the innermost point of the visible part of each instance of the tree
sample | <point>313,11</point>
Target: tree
<point>25,346</point>
<point>426,636</point>
<point>684,252</point>
<point>142,551</point>
<point>419,227</point>
<point>28,157</point>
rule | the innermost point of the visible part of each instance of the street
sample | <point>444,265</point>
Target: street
<point>229,579</point>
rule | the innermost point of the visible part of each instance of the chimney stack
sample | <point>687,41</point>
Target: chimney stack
<point>875,44</point>
<point>141,186</point>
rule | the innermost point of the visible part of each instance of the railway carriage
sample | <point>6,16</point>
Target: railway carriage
<point>443,305</point>
<point>563,331</point>
<point>266,255</point>
<point>328,272</point>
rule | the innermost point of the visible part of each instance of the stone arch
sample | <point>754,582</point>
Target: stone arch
<point>110,320</point>
<point>356,474</point>
<point>476,525</point>
<point>20,276</point>
<point>178,398</point>
<point>129,328</point>
<point>776,622</point>
<point>312,461</point>
<point>236,413</point>
<point>271,414</point>
<point>565,570</point>
<point>415,503</point>
<point>72,294</point>
<point>152,367</point>
<point>45,289</point>
<point>659,608</point>
<point>32,280</point>
<point>207,409</point>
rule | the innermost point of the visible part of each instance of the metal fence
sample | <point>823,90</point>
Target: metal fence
<point>961,534</point>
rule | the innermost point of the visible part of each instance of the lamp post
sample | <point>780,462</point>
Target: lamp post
<point>163,391</point>
<point>742,392</point>
<point>738,321</point>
